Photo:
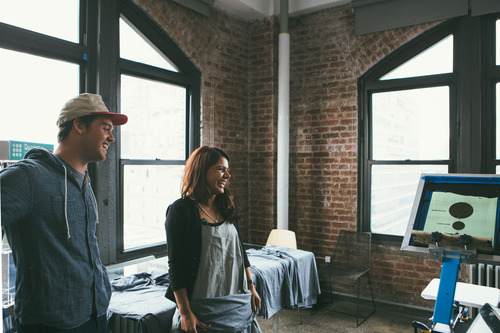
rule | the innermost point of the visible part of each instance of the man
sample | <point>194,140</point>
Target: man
<point>49,215</point>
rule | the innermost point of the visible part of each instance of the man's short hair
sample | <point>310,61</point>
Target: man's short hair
<point>65,128</point>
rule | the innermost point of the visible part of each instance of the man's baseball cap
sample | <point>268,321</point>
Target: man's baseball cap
<point>88,104</point>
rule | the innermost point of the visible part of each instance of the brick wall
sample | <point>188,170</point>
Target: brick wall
<point>239,65</point>
<point>263,116</point>
<point>326,61</point>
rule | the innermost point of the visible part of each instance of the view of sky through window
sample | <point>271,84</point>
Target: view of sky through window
<point>29,105</point>
<point>41,17</point>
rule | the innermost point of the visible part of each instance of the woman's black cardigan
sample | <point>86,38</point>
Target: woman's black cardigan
<point>183,230</point>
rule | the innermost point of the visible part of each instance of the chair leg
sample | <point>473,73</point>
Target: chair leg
<point>330,280</point>
<point>373,302</point>
<point>358,282</point>
<point>371,292</point>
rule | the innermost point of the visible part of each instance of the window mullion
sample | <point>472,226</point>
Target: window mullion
<point>18,39</point>
<point>125,161</point>
<point>469,113</point>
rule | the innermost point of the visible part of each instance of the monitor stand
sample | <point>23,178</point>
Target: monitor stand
<point>452,258</point>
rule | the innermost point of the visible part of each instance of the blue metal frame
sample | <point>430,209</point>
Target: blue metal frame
<point>443,309</point>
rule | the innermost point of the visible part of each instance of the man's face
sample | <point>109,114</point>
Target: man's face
<point>97,138</point>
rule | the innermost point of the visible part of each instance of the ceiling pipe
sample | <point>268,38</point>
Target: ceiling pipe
<point>283,118</point>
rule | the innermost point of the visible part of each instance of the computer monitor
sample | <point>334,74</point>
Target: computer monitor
<point>455,205</point>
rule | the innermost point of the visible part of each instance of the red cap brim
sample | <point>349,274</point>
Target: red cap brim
<point>117,118</point>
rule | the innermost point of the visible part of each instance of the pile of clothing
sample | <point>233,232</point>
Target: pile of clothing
<point>141,297</point>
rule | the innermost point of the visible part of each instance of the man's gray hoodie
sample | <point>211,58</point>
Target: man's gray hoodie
<point>49,214</point>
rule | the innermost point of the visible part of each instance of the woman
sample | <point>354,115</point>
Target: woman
<point>210,278</point>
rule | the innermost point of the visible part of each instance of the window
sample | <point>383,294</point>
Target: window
<point>156,139</point>
<point>40,16</point>
<point>496,78</point>
<point>409,135</point>
<point>30,105</point>
<point>436,59</point>
<point>497,42</point>
<point>156,93</point>
<point>134,47</point>
<point>497,126</point>
<point>419,111</point>
<point>144,75</point>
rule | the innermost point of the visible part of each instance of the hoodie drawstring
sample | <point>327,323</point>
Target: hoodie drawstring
<point>66,201</point>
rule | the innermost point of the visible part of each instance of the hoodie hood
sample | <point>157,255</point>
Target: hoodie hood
<point>45,155</point>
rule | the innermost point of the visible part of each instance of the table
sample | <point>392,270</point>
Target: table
<point>138,303</point>
<point>284,277</point>
<point>466,294</point>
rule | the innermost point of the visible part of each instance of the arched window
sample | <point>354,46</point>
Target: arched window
<point>52,50</point>
<point>156,92</point>
<point>425,108</point>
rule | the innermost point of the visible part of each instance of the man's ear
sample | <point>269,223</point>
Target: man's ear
<point>78,126</point>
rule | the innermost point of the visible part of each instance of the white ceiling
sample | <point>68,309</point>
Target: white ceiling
<point>258,9</point>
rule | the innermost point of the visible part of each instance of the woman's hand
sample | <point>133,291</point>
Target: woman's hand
<point>189,322</point>
<point>255,298</point>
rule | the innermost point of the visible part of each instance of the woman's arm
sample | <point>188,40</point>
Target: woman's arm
<point>255,296</point>
<point>189,322</point>
<point>251,287</point>
<point>178,247</point>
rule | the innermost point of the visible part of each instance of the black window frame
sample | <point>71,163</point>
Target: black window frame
<point>97,54</point>
<point>187,76</point>
<point>81,53</point>
<point>472,104</point>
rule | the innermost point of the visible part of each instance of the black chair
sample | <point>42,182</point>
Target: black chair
<point>350,262</point>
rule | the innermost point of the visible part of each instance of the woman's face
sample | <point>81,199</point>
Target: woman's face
<point>218,176</point>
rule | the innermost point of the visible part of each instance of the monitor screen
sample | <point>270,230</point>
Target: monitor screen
<point>455,205</point>
<point>461,214</point>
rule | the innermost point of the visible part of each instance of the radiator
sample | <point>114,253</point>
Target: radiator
<point>122,325</point>
<point>485,275</point>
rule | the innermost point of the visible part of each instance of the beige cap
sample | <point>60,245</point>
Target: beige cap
<point>88,104</point>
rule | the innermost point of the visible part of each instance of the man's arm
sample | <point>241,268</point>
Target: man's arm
<point>15,194</point>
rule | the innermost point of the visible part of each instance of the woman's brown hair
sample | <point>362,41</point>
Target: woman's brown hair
<point>194,181</point>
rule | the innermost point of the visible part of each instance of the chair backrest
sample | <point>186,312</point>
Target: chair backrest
<point>353,251</point>
<point>282,237</point>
